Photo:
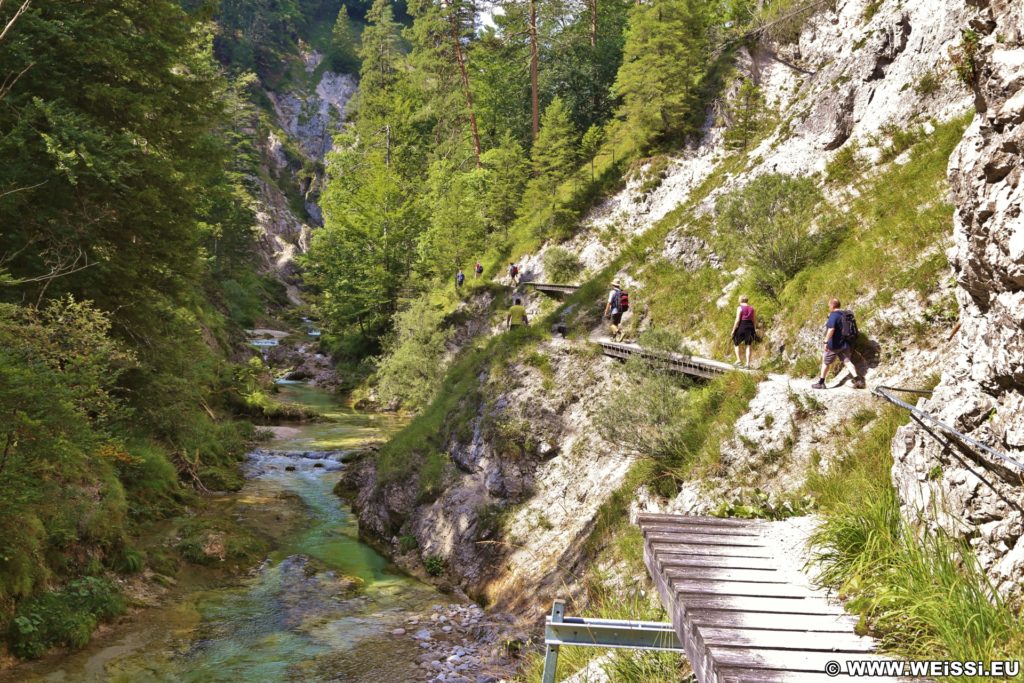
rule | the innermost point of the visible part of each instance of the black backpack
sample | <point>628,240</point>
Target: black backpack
<point>848,331</point>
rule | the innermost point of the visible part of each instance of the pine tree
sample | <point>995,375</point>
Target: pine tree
<point>552,160</point>
<point>343,50</point>
<point>591,144</point>
<point>554,152</point>
<point>662,68</point>
<point>746,111</point>
<point>507,173</point>
<point>457,227</point>
<point>439,62</point>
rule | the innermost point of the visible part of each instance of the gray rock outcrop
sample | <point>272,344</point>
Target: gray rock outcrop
<point>982,388</point>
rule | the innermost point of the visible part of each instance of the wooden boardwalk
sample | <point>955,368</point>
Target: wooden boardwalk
<point>550,288</point>
<point>743,613</point>
<point>691,365</point>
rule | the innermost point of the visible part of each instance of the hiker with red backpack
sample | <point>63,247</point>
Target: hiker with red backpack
<point>513,273</point>
<point>840,334</point>
<point>618,303</point>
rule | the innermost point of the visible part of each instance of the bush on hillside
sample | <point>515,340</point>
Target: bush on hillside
<point>412,369</point>
<point>561,265</point>
<point>770,220</point>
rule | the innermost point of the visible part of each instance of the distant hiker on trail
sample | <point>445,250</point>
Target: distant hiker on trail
<point>478,269</point>
<point>618,303</point>
<point>460,277</point>
<point>744,329</point>
<point>516,315</point>
<point>513,273</point>
<point>840,333</point>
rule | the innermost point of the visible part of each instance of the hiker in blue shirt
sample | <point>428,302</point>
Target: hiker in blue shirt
<point>460,277</point>
<point>840,333</point>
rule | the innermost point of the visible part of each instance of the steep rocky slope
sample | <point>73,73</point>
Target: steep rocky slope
<point>982,387</point>
<point>306,115</point>
<point>527,476</point>
<point>853,73</point>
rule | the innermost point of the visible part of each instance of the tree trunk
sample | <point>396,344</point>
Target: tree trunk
<point>534,62</point>
<point>460,60</point>
<point>593,23</point>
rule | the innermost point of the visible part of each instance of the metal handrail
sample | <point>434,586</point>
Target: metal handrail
<point>883,393</point>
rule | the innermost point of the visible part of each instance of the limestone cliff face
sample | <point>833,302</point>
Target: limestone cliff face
<point>982,387</point>
<point>308,118</point>
<point>529,473</point>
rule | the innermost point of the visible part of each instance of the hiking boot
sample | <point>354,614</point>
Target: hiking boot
<point>859,383</point>
<point>820,384</point>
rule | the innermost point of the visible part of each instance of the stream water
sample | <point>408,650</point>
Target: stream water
<point>319,608</point>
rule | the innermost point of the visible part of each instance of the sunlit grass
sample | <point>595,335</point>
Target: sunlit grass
<point>921,591</point>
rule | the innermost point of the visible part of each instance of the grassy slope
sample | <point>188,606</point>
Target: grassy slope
<point>901,212</point>
<point>922,592</point>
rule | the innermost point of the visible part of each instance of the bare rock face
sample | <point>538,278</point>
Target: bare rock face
<point>690,252</point>
<point>982,388</point>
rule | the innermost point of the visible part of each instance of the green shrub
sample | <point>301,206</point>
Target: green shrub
<point>871,10</point>
<point>63,618</point>
<point>847,165</point>
<point>964,57</point>
<point>433,476</point>
<point>561,265</point>
<point>151,482</point>
<point>770,220</point>
<point>900,140</point>
<point>434,564</point>
<point>654,174</point>
<point>407,543</point>
<point>677,426</point>
<point>928,84</point>
<point>128,561</point>
<point>411,369</point>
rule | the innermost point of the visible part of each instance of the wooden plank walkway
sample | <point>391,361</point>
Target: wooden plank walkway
<point>743,613</point>
<point>696,366</point>
<point>551,288</point>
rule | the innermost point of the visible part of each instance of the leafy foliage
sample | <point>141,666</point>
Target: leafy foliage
<point>561,265</point>
<point>771,217</point>
<point>63,618</point>
<point>665,52</point>
<point>410,373</point>
<point>747,114</point>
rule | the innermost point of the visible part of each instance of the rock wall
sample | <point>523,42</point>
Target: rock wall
<point>982,388</point>
<point>529,475</point>
<point>309,120</point>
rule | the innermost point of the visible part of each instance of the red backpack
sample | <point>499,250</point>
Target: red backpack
<point>623,301</point>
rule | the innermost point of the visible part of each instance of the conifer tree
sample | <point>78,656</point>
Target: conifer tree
<point>343,53</point>
<point>554,153</point>
<point>662,67</point>
<point>507,173</point>
<point>746,111</point>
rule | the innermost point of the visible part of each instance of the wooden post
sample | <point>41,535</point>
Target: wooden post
<point>551,651</point>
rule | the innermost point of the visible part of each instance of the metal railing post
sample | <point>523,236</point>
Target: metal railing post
<point>551,651</point>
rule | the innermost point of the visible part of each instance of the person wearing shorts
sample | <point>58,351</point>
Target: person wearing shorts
<point>836,348</point>
<point>744,329</point>
<point>613,312</point>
